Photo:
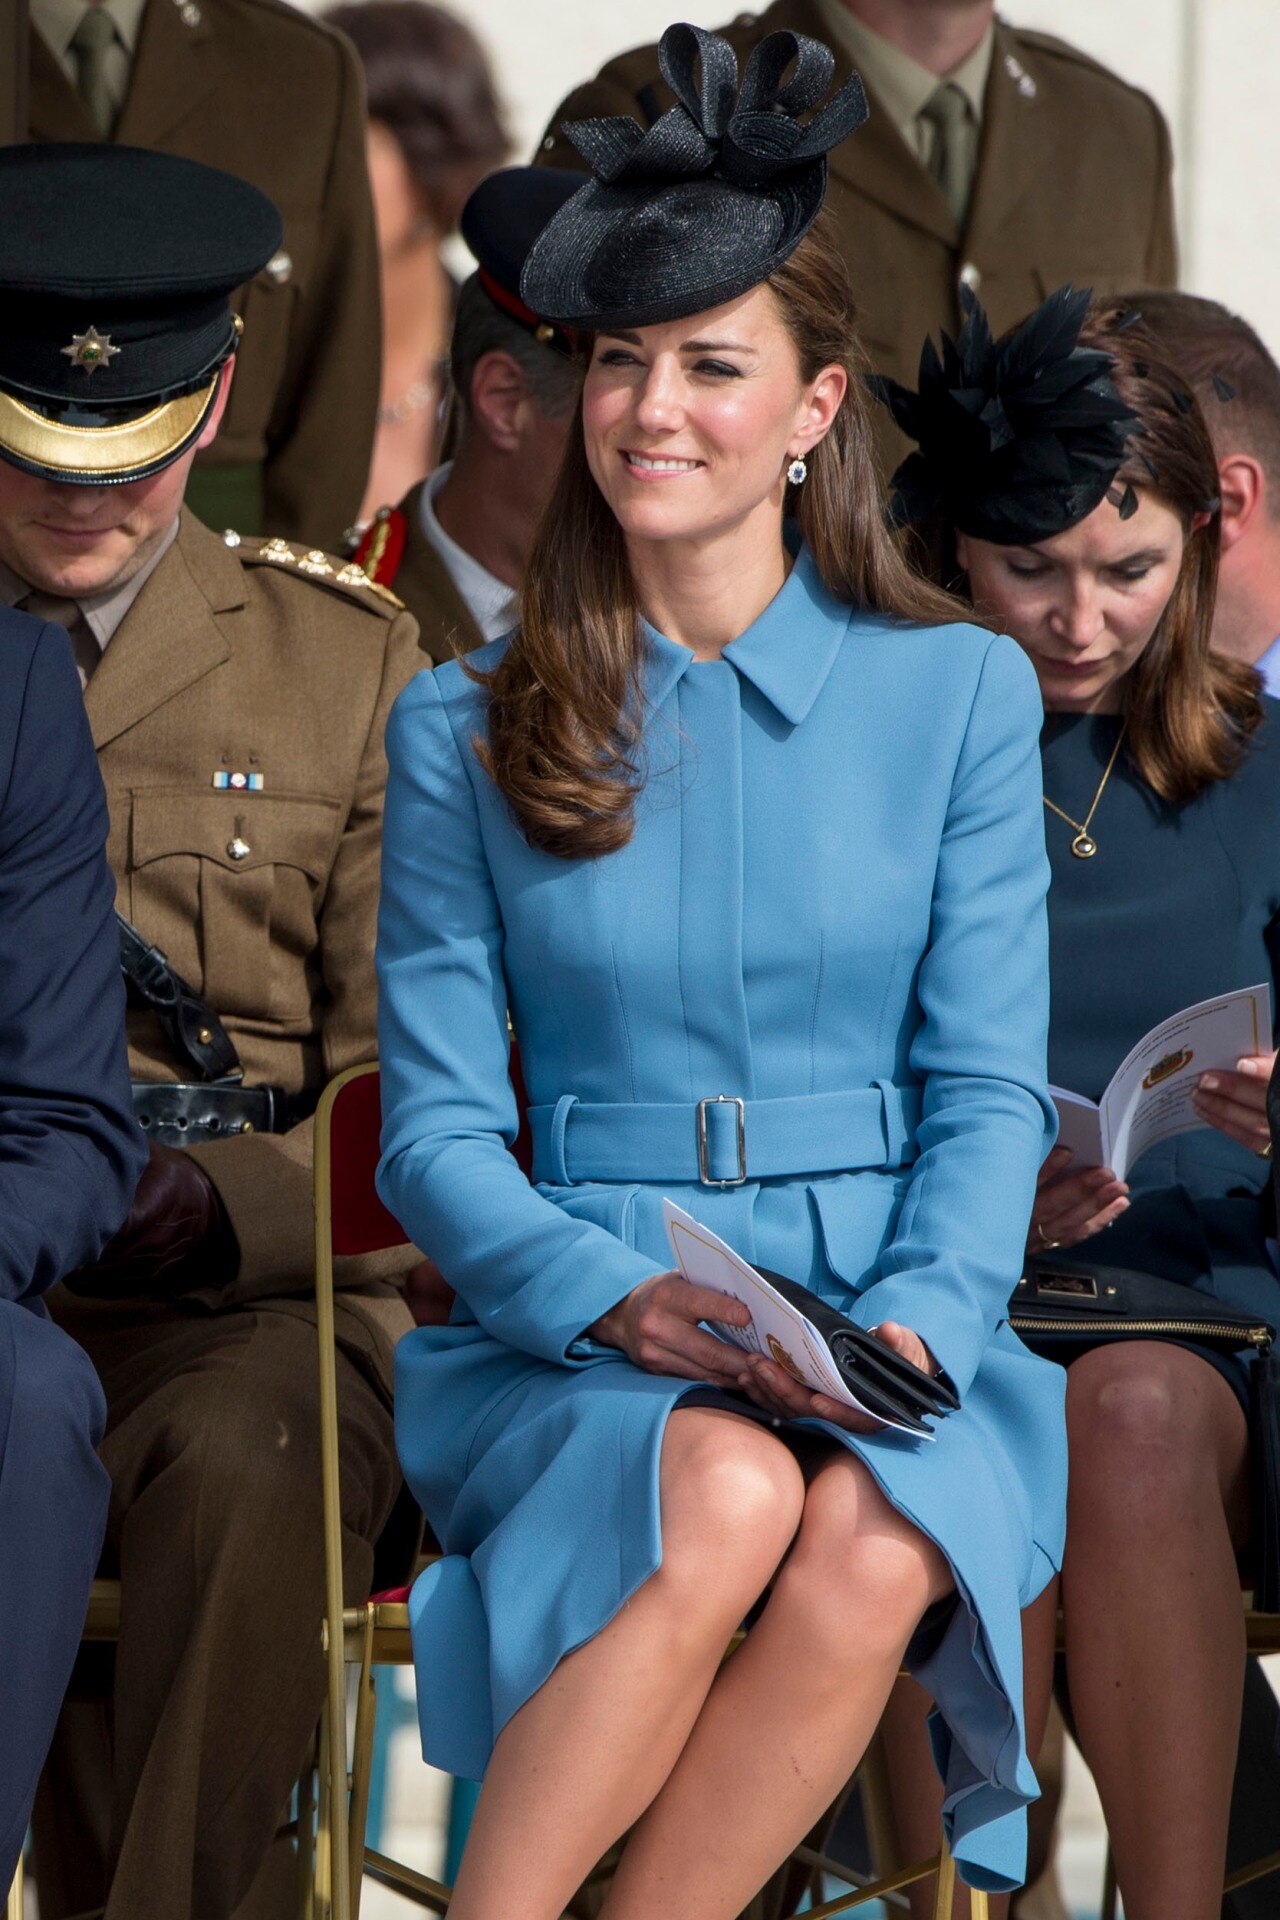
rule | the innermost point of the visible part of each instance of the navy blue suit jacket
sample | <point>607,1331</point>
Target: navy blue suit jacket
<point>70,1150</point>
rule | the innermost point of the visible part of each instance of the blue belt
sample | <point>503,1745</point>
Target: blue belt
<point>723,1141</point>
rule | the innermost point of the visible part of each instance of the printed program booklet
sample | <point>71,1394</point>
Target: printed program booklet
<point>1149,1095</point>
<point>776,1328</point>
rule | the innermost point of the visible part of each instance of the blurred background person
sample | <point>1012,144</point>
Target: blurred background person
<point>436,127</point>
<point>454,548</point>
<point>261,90</point>
<point>971,170</point>
<point>1237,383</point>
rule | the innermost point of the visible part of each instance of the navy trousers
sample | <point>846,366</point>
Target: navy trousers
<point>53,1514</point>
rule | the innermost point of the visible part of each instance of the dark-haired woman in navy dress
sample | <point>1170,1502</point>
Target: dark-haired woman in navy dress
<point>1077,480</point>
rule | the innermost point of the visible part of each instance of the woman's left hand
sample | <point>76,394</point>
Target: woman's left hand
<point>1236,1103</point>
<point>778,1392</point>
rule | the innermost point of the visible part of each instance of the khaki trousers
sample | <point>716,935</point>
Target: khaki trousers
<point>177,1749</point>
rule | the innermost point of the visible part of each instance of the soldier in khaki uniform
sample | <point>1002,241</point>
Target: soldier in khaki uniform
<point>237,692</point>
<point>454,547</point>
<point>258,88</point>
<point>1014,166</point>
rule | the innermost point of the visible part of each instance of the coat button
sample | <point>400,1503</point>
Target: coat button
<point>971,276</point>
<point>280,268</point>
<point>239,849</point>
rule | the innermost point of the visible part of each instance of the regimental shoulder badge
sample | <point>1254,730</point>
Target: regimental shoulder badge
<point>323,570</point>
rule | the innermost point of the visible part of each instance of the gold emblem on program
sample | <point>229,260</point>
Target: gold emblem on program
<point>1166,1068</point>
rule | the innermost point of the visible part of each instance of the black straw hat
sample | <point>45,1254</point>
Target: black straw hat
<point>707,202</point>
<point>116,267</point>
<point>1019,438</point>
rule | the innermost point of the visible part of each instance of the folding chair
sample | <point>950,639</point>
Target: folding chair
<point>351,1219</point>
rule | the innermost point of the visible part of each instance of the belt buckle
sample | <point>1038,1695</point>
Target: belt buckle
<point>719,1100</point>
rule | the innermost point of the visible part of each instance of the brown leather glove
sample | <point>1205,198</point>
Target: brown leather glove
<point>177,1235</point>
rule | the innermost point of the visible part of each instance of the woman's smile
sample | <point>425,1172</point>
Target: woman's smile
<point>658,466</point>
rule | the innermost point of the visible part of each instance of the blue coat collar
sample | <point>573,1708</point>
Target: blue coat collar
<point>786,653</point>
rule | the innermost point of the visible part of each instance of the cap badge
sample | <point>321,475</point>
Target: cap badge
<point>90,350</point>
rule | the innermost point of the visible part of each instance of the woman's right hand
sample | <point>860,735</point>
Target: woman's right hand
<point>656,1326</point>
<point>1073,1204</point>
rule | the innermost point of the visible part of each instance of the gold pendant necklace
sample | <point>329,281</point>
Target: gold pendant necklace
<point>1084,846</point>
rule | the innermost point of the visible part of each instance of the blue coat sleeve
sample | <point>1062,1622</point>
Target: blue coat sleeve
<point>532,1276</point>
<point>70,1150</point>
<point>981,1048</point>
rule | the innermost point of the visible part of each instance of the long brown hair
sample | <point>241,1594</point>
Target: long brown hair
<point>1189,711</point>
<point>565,709</point>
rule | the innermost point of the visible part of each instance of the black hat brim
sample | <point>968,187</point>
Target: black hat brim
<point>633,257</point>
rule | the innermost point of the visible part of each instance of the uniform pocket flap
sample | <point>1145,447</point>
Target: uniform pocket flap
<point>238,831</point>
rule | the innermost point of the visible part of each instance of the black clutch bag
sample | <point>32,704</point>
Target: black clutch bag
<point>887,1385</point>
<point>1063,1308</point>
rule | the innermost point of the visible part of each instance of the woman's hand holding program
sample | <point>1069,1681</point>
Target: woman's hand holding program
<point>1072,1204</point>
<point>778,1392</point>
<point>656,1326</point>
<point>1236,1103</point>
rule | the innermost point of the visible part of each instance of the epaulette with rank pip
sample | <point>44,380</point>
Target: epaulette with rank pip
<point>324,569</point>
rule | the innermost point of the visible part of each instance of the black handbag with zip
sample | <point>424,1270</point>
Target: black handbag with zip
<point>1062,1308</point>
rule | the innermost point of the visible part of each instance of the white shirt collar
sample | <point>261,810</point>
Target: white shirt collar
<point>490,601</point>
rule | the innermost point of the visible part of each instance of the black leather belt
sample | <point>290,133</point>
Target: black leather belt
<point>219,1105</point>
<point>177,1114</point>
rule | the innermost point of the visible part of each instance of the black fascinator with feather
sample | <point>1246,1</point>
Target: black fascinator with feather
<point>1019,438</point>
<point>707,202</point>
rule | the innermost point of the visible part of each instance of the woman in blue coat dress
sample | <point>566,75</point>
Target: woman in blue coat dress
<point>1087,527</point>
<point>741,809</point>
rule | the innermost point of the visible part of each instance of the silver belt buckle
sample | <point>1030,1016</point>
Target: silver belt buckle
<point>722,1100</point>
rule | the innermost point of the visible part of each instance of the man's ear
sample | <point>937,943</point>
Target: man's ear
<point>209,432</point>
<point>497,394</point>
<point>1242,488</point>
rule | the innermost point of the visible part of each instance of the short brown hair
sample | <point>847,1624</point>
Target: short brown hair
<point>480,326</point>
<point>429,83</point>
<point>1190,711</point>
<point>564,741</point>
<point>1233,376</point>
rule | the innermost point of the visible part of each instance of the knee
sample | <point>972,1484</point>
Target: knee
<point>855,1551</point>
<point>58,1410</point>
<point>1138,1429</point>
<point>248,1452</point>
<point>732,1494</point>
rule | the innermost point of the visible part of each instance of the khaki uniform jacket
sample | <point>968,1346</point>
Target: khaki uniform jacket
<point>422,580</point>
<point>259,658</point>
<point>257,88</point>
<point>1073,183</point>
